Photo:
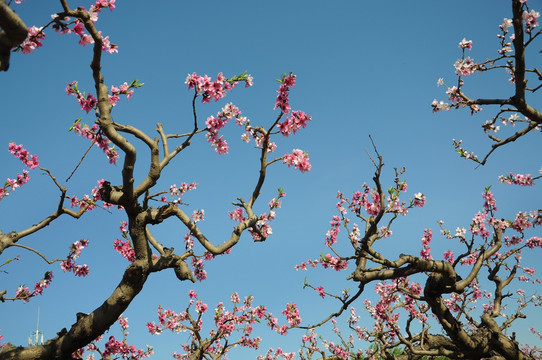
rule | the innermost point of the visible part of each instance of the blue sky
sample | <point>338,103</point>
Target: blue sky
<point>362,68</point>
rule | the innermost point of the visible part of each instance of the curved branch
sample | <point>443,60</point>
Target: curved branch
<point>13,32</point>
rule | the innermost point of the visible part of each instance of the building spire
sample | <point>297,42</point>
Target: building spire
<point>34,338</point>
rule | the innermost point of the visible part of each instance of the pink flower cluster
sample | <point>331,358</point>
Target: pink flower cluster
<point>530,19</point>
<point>97,138</point>
<point>124,247</point>
<point>282,101</point>
<point>517,179</point>
<point>465,44</point>
<point>299,159</point>
<point>489,201</point>
<point>215,89</point>
<point>31,161</point>
<point>449,255</point>
<point>333,233</point>
<point>32,41</point>
<point>361,201</point>
<point>276,354</point>
<point>237,214</point>
<point>462,152</point>
<point>478,226</point>
<point>62,26</point>
<point>24,294</point>
<point>121,348</point>
<point>263,229</point>
<point>293,123</point>
<point>75,252</point>
<point>197,264</point>
<point>198,215</point>
<point>43,283</point>
<point>303,265</point>
<point>214,125</point>
<point>419,200</point>
<point>227,323</point>
<point>87,103</point>
<point>329,261</point>
<point>123,89</point>
<point>12,184</point>
<point>382,312</point>
<point>292,315</point>
<point>425,253</point>
<point>465,67</point>
<point>178,192</point>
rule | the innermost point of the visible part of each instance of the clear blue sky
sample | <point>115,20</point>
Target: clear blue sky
<point>363,67</point>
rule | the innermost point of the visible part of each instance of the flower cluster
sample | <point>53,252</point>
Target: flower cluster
<point>124,247</point>
<point>121,348</point>
<point>32,41</point>
<point>517,179</point>
<point>425,253</point>
<point>87,102</point>
<point>462,152</point>
<point>490,203</point>
<point>214,124</point>
<point>276,354</point>
<point>22,292</point>
<point>282,102</point>
<point>123,89</point>
<point>505,45</point>
<point>178,192</point>
<point>227,324</point>
<point>62,26</point>
<point>294,122</point>
<point>299,159</point>
<point>197,264</point>
<point>75,252</point>
<point>360,200</point>
<point>31,161</point>
<point>292,315</point>
<point>215,89</point>
<point>465,67</point>
<point>43,283</point>
<point>530,19</point>
<point>97,138</point>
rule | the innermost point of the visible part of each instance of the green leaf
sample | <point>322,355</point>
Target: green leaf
<point>74,123</point>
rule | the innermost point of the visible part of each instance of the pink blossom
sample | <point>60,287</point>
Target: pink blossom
<point>489,203</point>
<point>282,101</point>
<point>22,154</point>
<point>426,239</point>
<point>465,44</point>
<point>465,67</point>
<point>237,215</point>
<point>449,255</point>
<point>198,215</point>
<point>293,123</point>
<point>292,315</point>
<point>299,159</point>
<point>530,19</point>
<point>198,269</point>
<point>334,262</point>
<point>533,242</point>
<point>125,249</point>
<point>517,179</point>
<point>321,292</point>
<point>419,200</point>
<point>32,41</point>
